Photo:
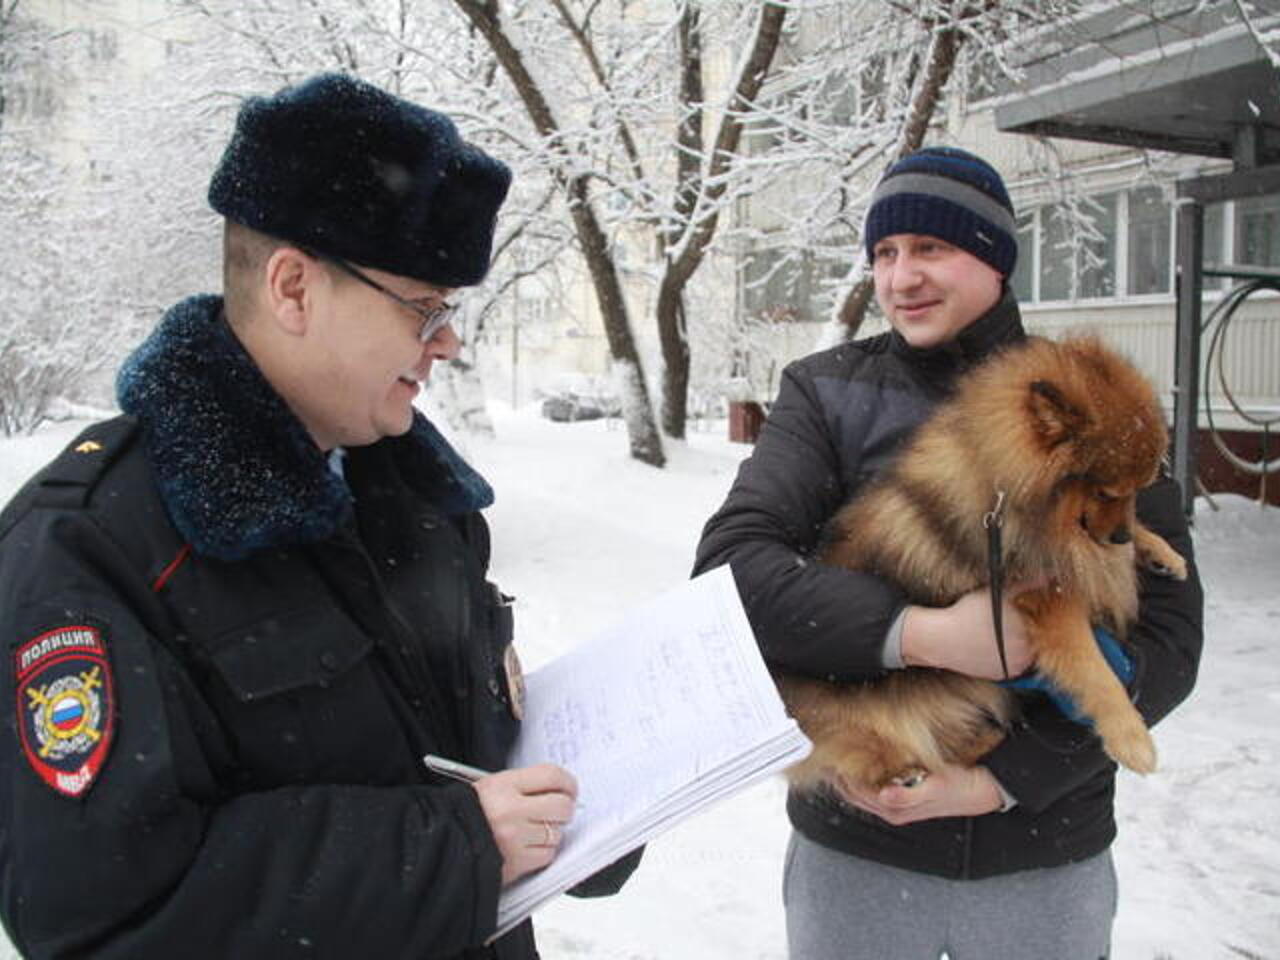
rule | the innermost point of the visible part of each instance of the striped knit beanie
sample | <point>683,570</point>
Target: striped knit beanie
<point>950,194</point>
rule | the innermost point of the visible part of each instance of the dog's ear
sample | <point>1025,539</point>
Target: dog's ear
<point>1056,419</point>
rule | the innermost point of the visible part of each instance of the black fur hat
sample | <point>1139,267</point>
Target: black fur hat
<point>337,165</point>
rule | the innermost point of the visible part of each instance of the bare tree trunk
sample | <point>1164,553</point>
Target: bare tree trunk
<point>463,398</point>
<point>685,251</point>
<point>689,145</point>
<point>8,13</point>
<point>683,238</point>
<point>940,62</point>
<point>672,330</point>
<point>854,308</point>
<point>646,442</point>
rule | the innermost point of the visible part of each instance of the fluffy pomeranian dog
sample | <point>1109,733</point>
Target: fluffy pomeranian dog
<point>1053,440</point>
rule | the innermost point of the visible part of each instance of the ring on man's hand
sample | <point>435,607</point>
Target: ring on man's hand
<point>549,838</point>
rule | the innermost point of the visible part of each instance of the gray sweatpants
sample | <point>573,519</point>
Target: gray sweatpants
<point>841,907</point>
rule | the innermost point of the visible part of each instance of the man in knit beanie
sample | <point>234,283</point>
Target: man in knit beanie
<point>949,194</point>
<point>941,238</point>
<point>1009,858</point>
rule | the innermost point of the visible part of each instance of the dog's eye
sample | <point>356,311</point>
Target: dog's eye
<point>1105,496</point>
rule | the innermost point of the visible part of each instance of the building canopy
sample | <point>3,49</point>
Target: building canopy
<point>1182,76</point>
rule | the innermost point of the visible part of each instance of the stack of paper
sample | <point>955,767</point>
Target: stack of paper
<point>664,714</point>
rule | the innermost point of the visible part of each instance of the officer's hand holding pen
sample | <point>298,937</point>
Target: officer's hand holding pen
<point>527,809</point>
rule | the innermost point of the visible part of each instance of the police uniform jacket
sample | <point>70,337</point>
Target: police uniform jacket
<point>839,418</point>
<point>226,661</point>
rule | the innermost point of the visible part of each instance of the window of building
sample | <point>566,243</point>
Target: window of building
<point>103,44</point>
<point>1122,244</point>
<point>776,286</point>
<point>1215,243</point>
<point>1055,255</point>
<point>1258,231</point>
<point>1024,270</point>
<point>982,75</point>
<point>1096,249</point>
<point>872,85</point>
<point>1150,241</point>
<point>838,99</point>
<point>534,310</point>
<point>36,100</point>
<point>768,129</point>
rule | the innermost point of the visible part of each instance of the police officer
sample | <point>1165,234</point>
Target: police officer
<point>240,614</point>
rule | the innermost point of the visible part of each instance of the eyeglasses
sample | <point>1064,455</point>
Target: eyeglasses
<point>434,318</point>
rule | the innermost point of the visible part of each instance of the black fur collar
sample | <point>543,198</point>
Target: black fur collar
<point>236,469</point>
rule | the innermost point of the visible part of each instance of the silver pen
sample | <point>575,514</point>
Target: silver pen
<point>453,769</point>
<point>463,771</point>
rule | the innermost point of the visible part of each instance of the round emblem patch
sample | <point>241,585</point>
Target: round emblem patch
<point>66,706</point>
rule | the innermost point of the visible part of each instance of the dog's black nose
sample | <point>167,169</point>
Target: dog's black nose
<point>1121,535</point>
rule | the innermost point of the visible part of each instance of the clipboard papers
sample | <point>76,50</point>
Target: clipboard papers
<point>658,717</point>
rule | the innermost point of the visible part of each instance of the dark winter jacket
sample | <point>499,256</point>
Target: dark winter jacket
<point>253,654</point>
<point>839,418</point>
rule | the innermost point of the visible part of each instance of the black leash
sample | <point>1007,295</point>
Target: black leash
<point>993,521</point>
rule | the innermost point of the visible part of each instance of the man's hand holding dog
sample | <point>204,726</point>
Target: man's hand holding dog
<point>962,638</point>
<point>947,792</point>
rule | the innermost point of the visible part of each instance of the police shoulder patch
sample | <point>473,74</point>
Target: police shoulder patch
<point>66,706</point>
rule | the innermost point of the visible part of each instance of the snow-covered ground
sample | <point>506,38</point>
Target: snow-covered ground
<point>581,533</point>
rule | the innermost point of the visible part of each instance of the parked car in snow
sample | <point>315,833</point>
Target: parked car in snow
<point>580,398</point>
